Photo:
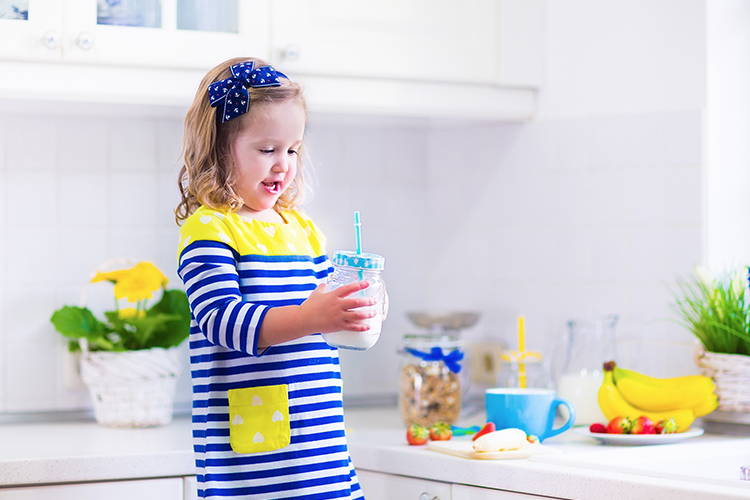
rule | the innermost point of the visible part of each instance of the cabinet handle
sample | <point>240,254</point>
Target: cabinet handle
<point>428,496</point>
<point>290,53</point>
<point>51,40</point>
<point>85,41</point>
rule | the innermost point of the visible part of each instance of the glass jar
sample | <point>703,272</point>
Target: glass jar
<point>430,384</point>
<point>588,345</point>
<point>347,268</point>
<point>523,371</point>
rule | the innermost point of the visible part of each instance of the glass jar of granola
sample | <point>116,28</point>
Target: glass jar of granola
<point>429,384</point>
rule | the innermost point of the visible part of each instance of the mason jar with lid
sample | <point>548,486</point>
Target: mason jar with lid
<point>430,384</point>
<point>349,267</point>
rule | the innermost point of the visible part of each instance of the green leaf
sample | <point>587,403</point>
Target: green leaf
<point>176,330</point>
<point>78,322</point>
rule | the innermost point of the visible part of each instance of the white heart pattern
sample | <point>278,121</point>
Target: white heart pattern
<point>205,219</point>
<point>262,247</point>
<point>258,438</point>
<point>270,230</point>
<point>223,237</point>
<point>277,416</point>
<point>237,420</point>
<point>257,401</point>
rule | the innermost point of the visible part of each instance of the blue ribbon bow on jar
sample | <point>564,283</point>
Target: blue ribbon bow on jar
<point>232,91</point>
<point>436,354</point>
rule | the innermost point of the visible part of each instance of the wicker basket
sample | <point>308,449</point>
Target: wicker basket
<point>731,374</point>
<point>132,388</point>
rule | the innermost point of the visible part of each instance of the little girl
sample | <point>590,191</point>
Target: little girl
<point>267,406</point>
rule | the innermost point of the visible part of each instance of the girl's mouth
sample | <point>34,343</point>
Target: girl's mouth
<point>272,187</point>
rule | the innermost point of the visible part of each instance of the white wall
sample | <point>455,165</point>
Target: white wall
<point>728,150</point>
<point>595,206</point>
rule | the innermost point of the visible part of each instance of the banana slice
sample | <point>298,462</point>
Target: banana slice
<point>502,440</point>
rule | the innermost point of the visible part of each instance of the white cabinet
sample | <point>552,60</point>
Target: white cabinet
<point>147,489</point>
<point>190,488</point>
<point>463,492</point>
<point>379,486</point>
<point>414,40</point>
<point>426,58</point>
<point>32,34</point>
<point>161,33</point>
<point>167,36</point>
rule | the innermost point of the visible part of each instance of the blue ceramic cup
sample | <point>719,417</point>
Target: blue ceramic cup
<point>532,410</point>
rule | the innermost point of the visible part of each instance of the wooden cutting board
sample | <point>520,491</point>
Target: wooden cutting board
<point>464,449</point>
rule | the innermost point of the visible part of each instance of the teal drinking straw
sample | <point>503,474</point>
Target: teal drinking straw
<point>358,237</point>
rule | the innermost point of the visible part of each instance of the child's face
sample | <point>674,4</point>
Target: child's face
<point>265,152</point>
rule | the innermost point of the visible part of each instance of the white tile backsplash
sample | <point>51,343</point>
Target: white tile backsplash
<point>31,197</point>
<point>132,145</point>
<point>83,144</point>
<point>31,143</point>
<point>551,219</point>
<point>81,198</point>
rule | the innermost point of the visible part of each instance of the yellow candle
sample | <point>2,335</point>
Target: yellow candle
<point>521,352</point>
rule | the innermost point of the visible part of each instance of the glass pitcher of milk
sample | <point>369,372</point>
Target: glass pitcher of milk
<point>588,344</point>
<point>349,267</point>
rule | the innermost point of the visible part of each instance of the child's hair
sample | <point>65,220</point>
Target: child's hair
<point>207,176</point>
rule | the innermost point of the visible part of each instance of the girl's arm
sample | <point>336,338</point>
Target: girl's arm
<point>208,271</point>
<point>322,312</point>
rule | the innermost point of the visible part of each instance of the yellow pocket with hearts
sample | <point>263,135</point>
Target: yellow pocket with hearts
<point>259,418</point>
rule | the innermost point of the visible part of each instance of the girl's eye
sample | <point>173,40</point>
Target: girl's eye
<point>292,152</point>
<point>267,151</point>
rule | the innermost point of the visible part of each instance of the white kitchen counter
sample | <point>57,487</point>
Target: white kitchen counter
<point>704,467</point>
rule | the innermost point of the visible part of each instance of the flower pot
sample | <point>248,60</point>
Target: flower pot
<point>132,388</point>
<point>731,374</point>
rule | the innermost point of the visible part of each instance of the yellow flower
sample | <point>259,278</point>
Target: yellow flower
<point>139,282</point>
<point>111,276</point>
<point>130,312</point>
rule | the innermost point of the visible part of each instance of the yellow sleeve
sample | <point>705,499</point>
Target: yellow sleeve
<point>205,224</point>
<point>315,236</point>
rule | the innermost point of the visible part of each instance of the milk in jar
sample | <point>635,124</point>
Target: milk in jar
<point>349,267</point>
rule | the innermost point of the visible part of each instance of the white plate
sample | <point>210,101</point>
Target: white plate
<point>639,439</point>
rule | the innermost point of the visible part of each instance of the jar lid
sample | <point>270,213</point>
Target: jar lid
<point>360,261</point>
<point>426,341</point>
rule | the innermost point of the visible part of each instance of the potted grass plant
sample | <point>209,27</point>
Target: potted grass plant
<point>129,359</point>
<point>717,311</point>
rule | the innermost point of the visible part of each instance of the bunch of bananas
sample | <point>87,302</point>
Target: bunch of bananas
<point>625,393</point>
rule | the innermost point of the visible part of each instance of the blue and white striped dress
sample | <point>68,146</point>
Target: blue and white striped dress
<point>266,423</point>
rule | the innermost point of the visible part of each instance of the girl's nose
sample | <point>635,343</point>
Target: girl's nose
<point>281,165</point>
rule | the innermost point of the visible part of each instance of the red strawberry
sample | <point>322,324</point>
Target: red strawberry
<point>417,434</point>
<point>598,428</point>
<point>643,425</point>
<point>531,438</point>
<point>666,426</point>
<point>488,427</point>
<point>619,425</point>
<point>440,432</point>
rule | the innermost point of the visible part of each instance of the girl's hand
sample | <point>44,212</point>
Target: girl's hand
<point>332,311</point>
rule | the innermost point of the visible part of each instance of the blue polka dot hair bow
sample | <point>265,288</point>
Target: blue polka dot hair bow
<point>436,354</point>
<point>230,95</point>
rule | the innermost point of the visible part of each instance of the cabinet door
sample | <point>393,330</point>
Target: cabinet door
<point>379,486</point>
<point>30,29</point>
<point>165,33</point>
<point>147,489</point>
<point>437,40</point>
<point>461,492</point>
<point>190,488</point>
